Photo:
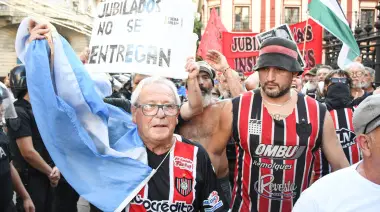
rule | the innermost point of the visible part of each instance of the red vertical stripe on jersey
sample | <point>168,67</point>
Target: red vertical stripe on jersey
<point>186,152</point>
<point>266,138</point>
<point>333,116</point>
<point>291,140</point>
<point>355,153</point>
<point>314,121</point>
<point>245,109</point>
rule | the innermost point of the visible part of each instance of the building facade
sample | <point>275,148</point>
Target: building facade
<point>72,19</point>
<point>261,15</point>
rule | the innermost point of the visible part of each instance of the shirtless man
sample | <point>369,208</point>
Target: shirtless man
<point>205,127</point>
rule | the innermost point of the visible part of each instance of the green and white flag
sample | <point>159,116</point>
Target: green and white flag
<point>329,15</point>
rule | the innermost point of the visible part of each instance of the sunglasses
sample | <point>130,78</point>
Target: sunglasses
<point>338,80</point>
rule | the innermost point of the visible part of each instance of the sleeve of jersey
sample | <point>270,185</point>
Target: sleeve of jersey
<point>213,198</point>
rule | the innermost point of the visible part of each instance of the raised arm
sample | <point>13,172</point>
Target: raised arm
<point>219,63</point>
<point>194,104</point>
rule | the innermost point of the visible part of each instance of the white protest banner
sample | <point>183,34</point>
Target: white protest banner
<point>152,37</point>
<point>284,32</point>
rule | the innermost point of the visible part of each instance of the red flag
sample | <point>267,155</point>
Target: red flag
<point>212,37</point>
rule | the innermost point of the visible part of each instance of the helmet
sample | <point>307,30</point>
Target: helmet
<point>17,80</point>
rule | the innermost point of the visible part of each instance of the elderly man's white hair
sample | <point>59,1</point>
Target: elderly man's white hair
<point>154,80</point>
<point>354,65</point>
<point>370,71</point>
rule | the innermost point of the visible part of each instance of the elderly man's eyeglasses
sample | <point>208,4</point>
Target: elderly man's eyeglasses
<point>356,73</point>
<point>152,109</point>
<point>338,80</point>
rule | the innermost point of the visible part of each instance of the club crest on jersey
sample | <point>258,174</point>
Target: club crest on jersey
<point>183,163</point>
<point>303,129</point>
<point>266,187</point>
<point>184,186</point>
<point>346,137</point>
<point>213,202</point>
<point>254,127</point>
<point>278,151</point>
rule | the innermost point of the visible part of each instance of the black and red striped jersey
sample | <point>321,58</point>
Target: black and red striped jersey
<point>274,158</point>
<point>344,128</point>
<point>184,182</point>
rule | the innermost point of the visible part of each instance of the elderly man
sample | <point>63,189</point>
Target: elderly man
<point>368,79</point>
<point>356,188</point>
<point>310,88</point>
<point>185,179</point>
<point>356,71</point>
<point>277,132</point>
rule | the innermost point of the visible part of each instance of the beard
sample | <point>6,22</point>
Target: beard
<point>358,85</point>
<point>282,90</point>
<point>206,96</point>
<point>207,99</point>
<point>366,84</point>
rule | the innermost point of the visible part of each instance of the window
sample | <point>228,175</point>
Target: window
<point>241,19</point>
<point>367,15</point>
<point>217,10</point>
<point>292,15</point>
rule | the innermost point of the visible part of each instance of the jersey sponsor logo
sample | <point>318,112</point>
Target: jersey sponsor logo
<point>164,205</point>
<point>183,163</point>
<point>184,185</point>
<point>2,153</point>
<point>213,202</point>
<point>277,191</point>
<point>278,151</point>
<point>274,166</point>
<point>254,127</point>
<point>346,137</point>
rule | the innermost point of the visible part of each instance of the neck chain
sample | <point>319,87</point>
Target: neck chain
<point>280,105</point>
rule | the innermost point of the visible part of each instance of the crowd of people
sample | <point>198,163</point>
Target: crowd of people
<point>220,141</point>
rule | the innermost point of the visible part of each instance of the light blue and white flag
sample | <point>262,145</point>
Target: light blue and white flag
<point>95,145</point>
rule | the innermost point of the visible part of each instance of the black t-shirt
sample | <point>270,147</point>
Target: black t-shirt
<point>23,126</point>
<point>6,192</point>
<point>206,182</point>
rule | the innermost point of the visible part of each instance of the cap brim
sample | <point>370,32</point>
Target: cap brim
<point>372,126</point>
<point>279,61</point>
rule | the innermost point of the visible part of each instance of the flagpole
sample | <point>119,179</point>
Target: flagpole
<point>305,35</point>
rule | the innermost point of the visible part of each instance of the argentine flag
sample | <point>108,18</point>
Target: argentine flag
<point>95,145</point>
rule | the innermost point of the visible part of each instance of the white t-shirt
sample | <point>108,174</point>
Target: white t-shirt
<point>341,191</point>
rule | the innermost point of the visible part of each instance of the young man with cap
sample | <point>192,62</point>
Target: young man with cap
<point>276,131</point>
<point>356,188</point>
<point>205,128</point>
